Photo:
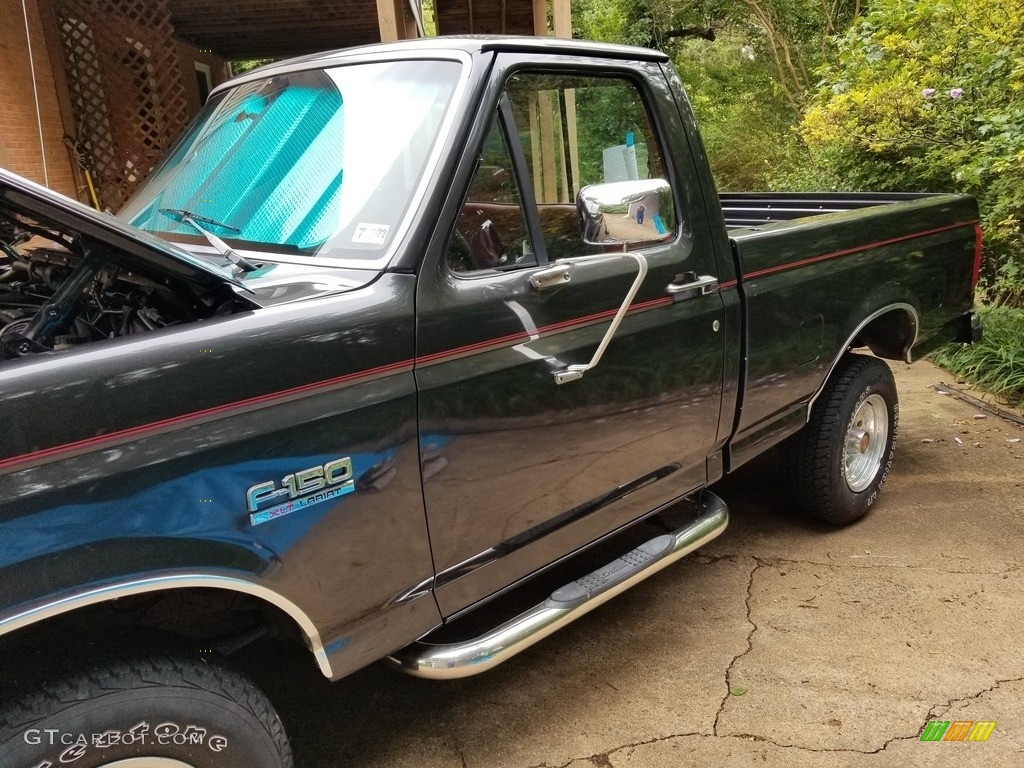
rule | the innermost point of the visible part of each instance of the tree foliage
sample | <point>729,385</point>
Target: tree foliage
<point>745,118</point>
<point>927,96</point>
<point>897,95</point>
<point>791,36</point>
<point>747,66</point>
<point>238,67</point>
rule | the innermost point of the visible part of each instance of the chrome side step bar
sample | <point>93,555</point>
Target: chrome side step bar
<point>566,604</point>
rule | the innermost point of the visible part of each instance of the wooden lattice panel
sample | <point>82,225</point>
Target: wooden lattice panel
<point>126,87</point>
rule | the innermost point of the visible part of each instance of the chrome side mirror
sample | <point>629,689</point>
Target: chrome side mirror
<point>626,212</point>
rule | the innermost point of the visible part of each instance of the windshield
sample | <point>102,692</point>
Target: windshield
<point>322,162</point>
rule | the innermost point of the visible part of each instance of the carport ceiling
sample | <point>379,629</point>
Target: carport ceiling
<point>253,29</point>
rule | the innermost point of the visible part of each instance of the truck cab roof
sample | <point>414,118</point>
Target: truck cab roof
<point>462,44</point>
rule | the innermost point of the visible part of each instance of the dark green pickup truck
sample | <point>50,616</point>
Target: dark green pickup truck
<point>389,333</point>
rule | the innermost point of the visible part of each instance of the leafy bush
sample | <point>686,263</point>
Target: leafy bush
<point>927,96</point>
<point>239,67</point>
<point>745,120</point>
<point>997,362</point>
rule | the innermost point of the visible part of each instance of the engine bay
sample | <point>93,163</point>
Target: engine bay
<point>61,288</point>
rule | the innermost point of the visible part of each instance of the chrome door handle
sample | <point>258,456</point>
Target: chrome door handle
<point>549,278</point>
<point>703,284</point>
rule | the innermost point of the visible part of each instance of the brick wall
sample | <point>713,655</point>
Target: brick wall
<point>20,149</point>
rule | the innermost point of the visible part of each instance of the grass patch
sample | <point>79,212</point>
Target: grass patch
<point>997,362</point>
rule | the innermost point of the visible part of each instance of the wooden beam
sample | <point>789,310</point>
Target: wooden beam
<point>540,18</point>
<point>574,144</point>
<point>561,17</point>
<point>391,20</point>
<point>535,144</point>
<point>547,146</point>
<point>55,50</point>
<point>411,30</point>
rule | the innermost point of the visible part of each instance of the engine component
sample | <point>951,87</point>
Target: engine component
<point>58,292</point>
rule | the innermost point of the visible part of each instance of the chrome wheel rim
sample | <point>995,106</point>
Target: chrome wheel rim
<point>147,762</point>
<point>864,447</point>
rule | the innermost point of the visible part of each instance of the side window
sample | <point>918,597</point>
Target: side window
<point>579,130</point>
<point>491,229</point>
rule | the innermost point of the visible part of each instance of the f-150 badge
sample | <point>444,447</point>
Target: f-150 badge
<point>302,489</point>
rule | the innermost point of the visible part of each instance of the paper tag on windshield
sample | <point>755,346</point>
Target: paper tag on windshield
<point>371,234</point>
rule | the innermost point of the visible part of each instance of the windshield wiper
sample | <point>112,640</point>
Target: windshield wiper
<point>225,250</point>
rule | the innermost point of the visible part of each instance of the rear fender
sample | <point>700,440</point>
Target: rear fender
<point>890,332</point>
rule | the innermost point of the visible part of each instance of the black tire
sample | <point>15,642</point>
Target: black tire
<point>179,709</point>
<point>834,472</point>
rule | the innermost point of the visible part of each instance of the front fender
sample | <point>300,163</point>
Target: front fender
<point>46,606</point>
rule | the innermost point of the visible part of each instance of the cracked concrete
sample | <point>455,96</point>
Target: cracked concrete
<point>729,689</point>
<point>841,662</point>
<point>458,748</point>
<point>782,643</point>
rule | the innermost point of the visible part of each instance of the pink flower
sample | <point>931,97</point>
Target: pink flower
<point>928,92</point>
<point>956,93</point>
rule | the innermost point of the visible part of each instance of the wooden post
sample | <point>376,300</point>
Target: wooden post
<point>50,23</point>
<point>411,30</point>
<point>535,145</point>
<point>540,18</point>
<point>561,17</point>
<point>547,146</point>
<point>561,13</point>
<point>573,141</point>
<point>391,20</point>
<point>437,18</point>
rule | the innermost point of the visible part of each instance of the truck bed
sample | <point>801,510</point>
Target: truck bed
<point>816,268</point>
<point>752,209</point>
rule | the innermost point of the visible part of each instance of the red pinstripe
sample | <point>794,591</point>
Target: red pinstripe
<point>858,249</point>
<point>304,390</point>
<point>319,386</point>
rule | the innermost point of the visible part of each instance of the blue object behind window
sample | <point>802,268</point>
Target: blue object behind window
<point>320,162</point>
<point>266,163</point>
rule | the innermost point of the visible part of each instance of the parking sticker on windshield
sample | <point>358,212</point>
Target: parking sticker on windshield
<point>371,234</point>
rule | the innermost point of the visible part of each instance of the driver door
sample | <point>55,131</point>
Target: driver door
<point>518,469</point>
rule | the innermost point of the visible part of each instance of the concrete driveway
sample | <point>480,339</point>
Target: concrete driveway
<point>781,643</point>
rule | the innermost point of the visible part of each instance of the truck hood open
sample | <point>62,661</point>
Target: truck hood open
<point>22,196</point>
<point>273,283</point>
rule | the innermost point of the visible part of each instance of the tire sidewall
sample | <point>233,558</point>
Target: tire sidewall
<point>202,718</point>
<point>852,505</point>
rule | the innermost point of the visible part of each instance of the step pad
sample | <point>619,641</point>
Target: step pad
<point>566,604</point>
<point>618,570</point>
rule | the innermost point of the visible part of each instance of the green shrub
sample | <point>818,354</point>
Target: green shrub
<point>997,362</point>
<point>746,124</point>
<point>926,96</point>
